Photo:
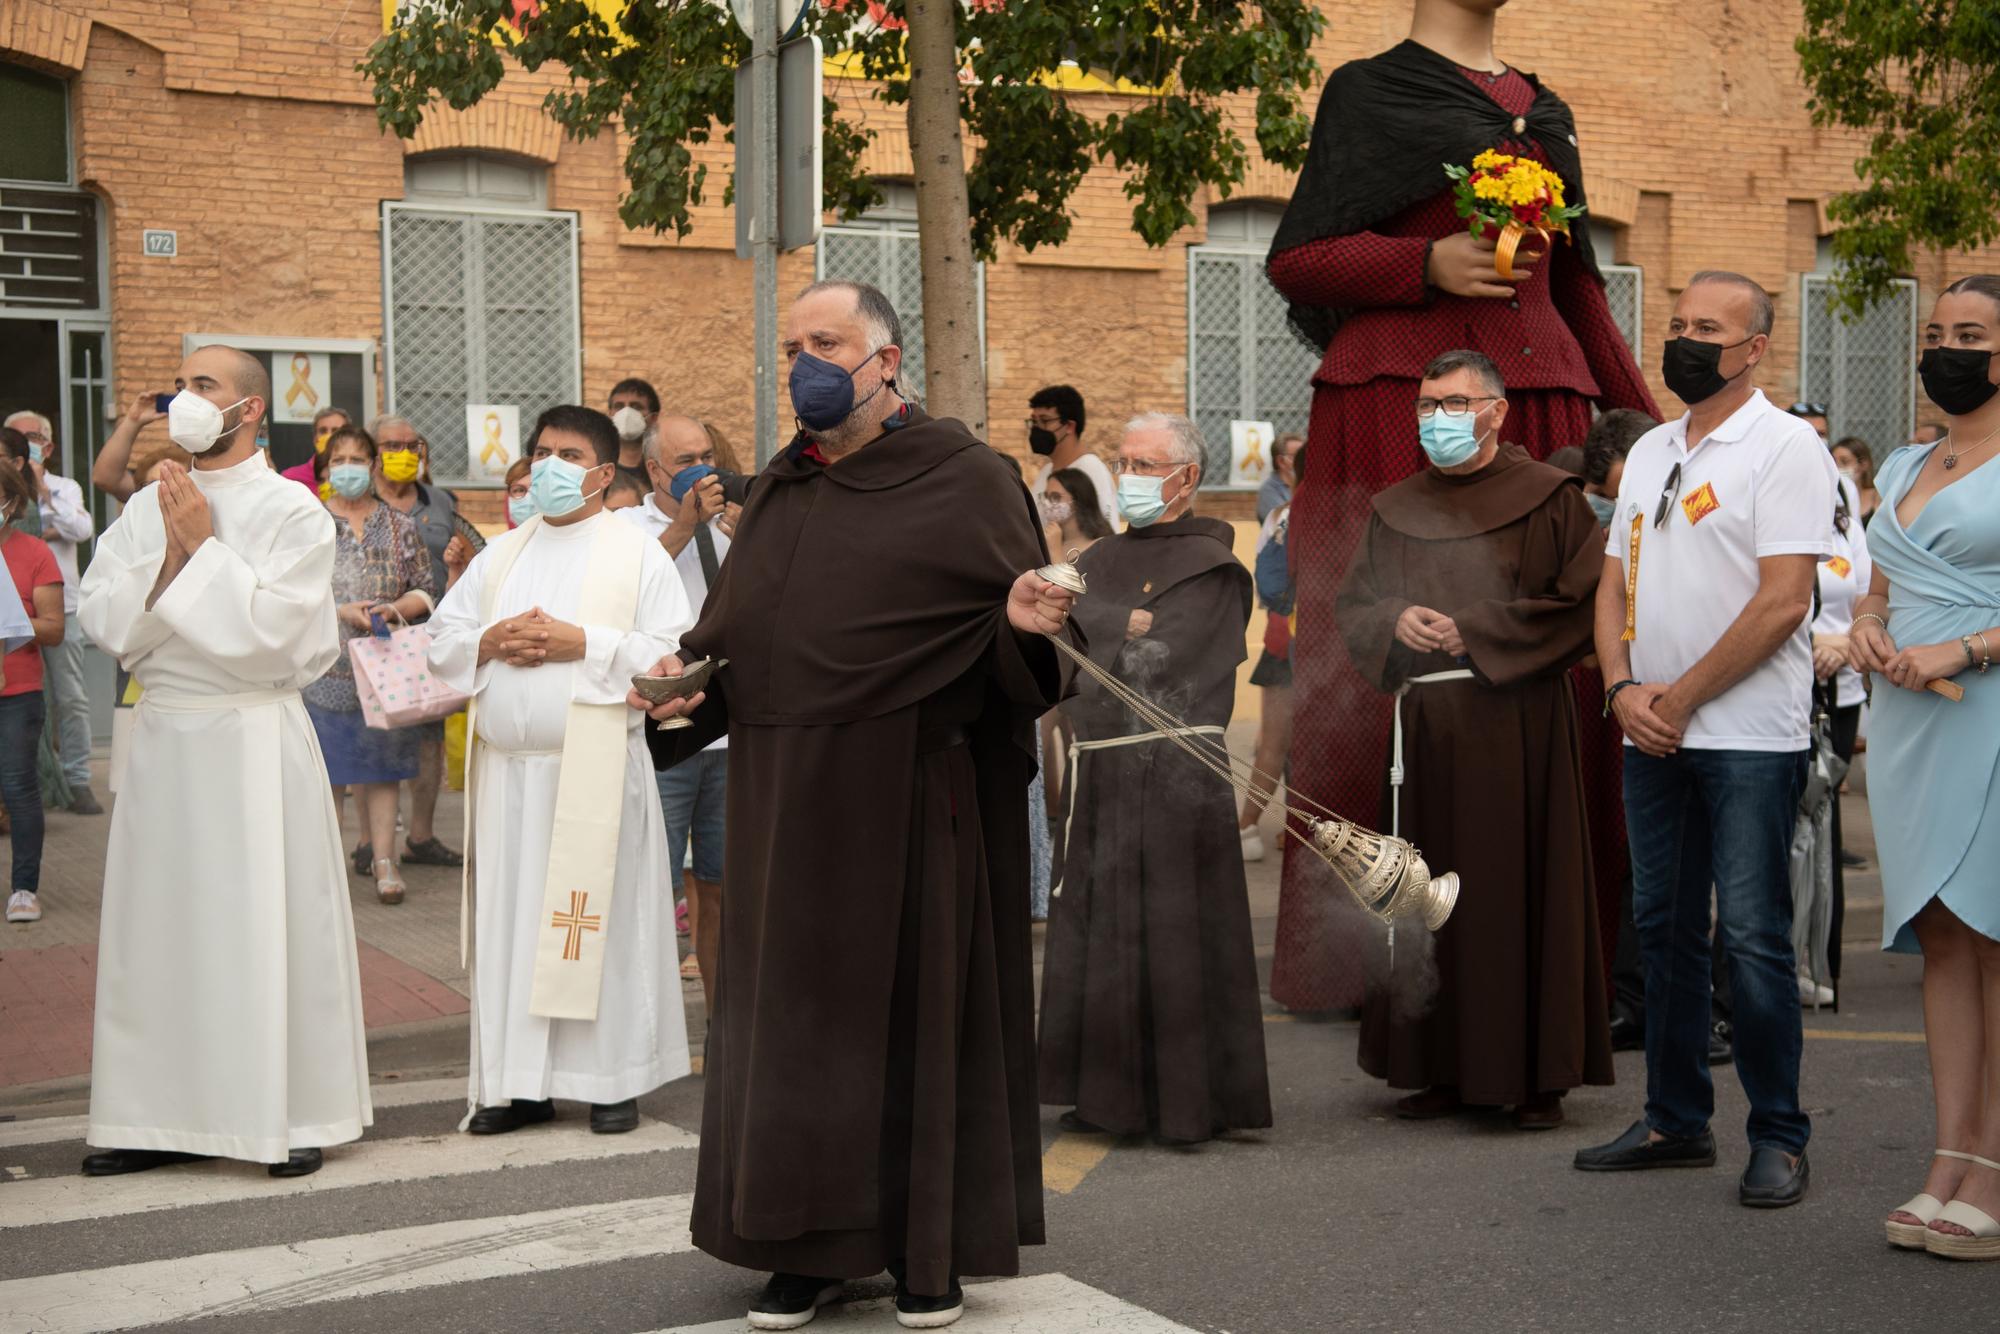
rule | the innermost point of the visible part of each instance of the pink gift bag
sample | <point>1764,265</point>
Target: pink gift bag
<point>395,683</point>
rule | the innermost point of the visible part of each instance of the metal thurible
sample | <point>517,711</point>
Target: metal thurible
<point>1063,574</point>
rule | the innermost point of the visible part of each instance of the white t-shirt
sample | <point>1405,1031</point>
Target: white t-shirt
<point>66,522</point>
<point>1843,581</point>
<point>1760,485</point>
<point>1092,467</point>
<point>652,522</point>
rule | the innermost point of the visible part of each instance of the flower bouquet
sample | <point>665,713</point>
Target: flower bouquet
<point>1510,197</point>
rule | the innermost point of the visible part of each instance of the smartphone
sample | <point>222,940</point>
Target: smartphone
<point>160,402</point>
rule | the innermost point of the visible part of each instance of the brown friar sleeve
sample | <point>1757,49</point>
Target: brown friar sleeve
<point>1366,609</point>
<point>1546,628</point>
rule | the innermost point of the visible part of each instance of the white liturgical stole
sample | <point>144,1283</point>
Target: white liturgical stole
<point>583,845</point>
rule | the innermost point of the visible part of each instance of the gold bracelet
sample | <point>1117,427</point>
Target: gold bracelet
<point>1871,616</point>
<point>1985,651</point>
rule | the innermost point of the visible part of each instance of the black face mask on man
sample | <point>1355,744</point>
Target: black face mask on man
<point>1042,440</point>
<point>1956,378</point>
<point>1692,368</point>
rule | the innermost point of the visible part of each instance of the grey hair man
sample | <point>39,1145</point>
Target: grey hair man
<point>844,344</point>
<point>66,522</point>
<point>1159,466</point>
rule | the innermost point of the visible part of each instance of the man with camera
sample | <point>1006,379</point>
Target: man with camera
<point>691,511</point>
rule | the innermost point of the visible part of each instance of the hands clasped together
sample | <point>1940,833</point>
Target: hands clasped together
<point>1871,649</point>
<point>531,639</point>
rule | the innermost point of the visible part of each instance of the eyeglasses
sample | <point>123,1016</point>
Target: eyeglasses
<point>1145,468</point>
<point>1032,424</point>
<point>1667,496</point>
<point>1457,405</point>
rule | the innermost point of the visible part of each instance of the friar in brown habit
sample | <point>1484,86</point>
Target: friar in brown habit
<point>870,1097</point>
<point>1485,565</point>
<point>1150,1013</point>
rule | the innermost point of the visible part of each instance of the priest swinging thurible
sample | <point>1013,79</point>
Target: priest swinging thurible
<point>870,1065</point>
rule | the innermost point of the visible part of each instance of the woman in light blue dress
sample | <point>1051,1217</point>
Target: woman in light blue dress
<point>1932,618</point>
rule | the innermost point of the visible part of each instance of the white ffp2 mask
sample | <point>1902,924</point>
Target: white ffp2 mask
<point>194,423</point>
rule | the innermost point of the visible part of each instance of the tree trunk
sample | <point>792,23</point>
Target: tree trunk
<point>955,374</point>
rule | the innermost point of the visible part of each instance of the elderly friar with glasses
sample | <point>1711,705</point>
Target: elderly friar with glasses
<point>1468,600</point>
<point>1152,953</point>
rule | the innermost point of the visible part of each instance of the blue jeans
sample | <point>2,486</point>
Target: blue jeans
<point>21,784</point>
<point>64,664</point>
<point>692,795</point>
<point>1720,818</point>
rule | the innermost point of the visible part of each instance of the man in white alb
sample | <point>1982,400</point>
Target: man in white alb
<point>228,996</point>
<point>686,514</point>
<point>574,992</point>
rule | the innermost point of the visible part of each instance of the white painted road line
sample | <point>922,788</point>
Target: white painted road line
<point>66,1199</point>
<point>267,1278</point>
<point>56,1129</point>
<point>1043,1304</point>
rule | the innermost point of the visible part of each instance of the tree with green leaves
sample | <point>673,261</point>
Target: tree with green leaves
<point>664,73</point>
<point>1922,79</point>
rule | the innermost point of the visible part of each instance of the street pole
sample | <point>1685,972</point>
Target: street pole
<point>764,227</point>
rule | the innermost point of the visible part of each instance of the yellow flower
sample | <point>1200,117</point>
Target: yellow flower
<point>1490,159</point>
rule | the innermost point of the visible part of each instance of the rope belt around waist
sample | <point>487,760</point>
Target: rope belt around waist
<point>1396,741</point>
<point>1077,748</point>
<point>167,701</point>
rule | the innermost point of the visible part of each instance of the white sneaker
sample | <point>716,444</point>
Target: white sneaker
<point>1253,844</point>
<point>24,907</point>
<point>1812,993</point>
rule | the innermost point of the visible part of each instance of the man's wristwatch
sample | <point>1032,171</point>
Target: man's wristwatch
<point>1612,693</point>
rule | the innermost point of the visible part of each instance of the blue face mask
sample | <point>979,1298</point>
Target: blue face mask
<point>823,393</point>
<point>1448,440</point>
<point>556,486</point>
<point>1139,498</point>
<point>1604,507</point>
<point>348,480</point>
<point>684,481</point>
<point>520,509</point>
<point>34,452</point>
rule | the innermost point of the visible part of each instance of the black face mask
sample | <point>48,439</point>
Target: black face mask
<point>1042,440</point>
<point>1691,369</point>
<point>1955,378</point>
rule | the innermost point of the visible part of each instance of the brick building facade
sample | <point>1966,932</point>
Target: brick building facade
<point>483,261</point>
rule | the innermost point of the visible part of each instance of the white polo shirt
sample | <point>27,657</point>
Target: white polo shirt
<point>1760,485</point>
<point>648,517</point>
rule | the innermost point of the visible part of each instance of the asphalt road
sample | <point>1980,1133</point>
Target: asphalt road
<point>1339,1218</point>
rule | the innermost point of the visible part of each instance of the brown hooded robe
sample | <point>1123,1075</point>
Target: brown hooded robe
<point>1150,1012</point>
<point>1494,789</point>
<point>870,1064</point>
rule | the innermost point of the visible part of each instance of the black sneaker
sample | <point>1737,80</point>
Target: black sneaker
<point>914,1312</point>
<point>791,1300</point>
<point>82,801</point>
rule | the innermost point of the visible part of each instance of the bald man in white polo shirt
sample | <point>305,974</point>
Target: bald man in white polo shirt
<point>1702,631</point>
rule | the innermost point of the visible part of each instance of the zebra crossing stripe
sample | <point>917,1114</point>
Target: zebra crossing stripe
<point>68,1199</point>
<point>367,1264</point>
<point>1043,1304</point>
<point>57,1129</point>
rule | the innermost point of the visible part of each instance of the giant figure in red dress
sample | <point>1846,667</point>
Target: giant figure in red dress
<point>1382,273</point>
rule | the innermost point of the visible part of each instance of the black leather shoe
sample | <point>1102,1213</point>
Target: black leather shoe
<point>614,1118</point>
<point>791,1300</point>
<point>301,1163</point>
<point>518,1113</point>
<point>117,1162</point>
<point>1628,1034</point>
<point>1636,1151</point>
<point>1771,1180</point>
<point>1720,1049</point>
<point>914,1312</point>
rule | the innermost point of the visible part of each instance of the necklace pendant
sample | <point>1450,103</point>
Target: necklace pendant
<point>1950,462</point>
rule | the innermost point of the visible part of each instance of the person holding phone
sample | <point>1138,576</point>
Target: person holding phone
<point>112,471</point>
